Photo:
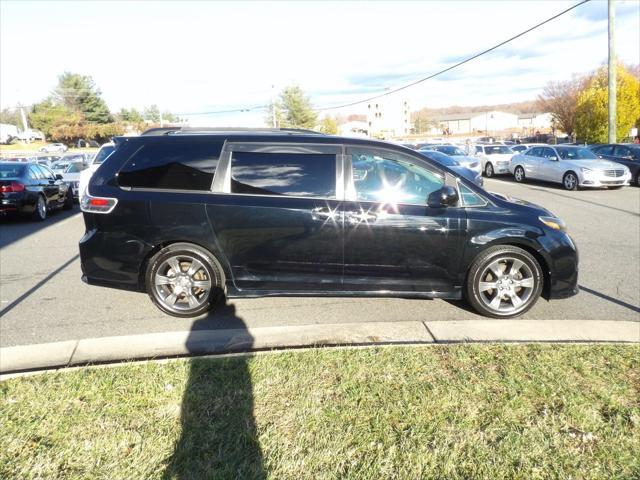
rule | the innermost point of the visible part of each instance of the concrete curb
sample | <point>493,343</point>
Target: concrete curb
<point>200,342</point>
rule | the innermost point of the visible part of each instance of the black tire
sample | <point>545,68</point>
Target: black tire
<point>568,183</point>
<point>211,271</point>
<point>480,269</point>
<point>518,174</point>
<point>40,213</point>
<point>488,170</point>
<point>68,200</point>
<point>617,187</point>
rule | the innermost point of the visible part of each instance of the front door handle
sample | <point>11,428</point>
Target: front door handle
<point>359,217</point>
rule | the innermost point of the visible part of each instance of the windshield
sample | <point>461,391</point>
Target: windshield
<point>59,166</point>
<point>497,149</point>
<point>449,150</point>
<point>11,171</point>
<point>441,158</point>
<point>75,167</point>
<point>102,155</point>
<point>569,153</point>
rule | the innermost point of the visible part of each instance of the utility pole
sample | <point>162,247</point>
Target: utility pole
<point>161,121</point>
<point>612,72</point>
<point>25,125</point>
<point>273,108</point>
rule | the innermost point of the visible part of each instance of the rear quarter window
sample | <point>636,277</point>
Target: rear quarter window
<point>176,166</point>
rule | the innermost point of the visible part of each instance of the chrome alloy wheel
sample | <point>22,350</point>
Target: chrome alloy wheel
<point>570,181</point>
<point>506,286</point>
<point>519,174</point>
<point>182,282</point>
<point>41,208</point>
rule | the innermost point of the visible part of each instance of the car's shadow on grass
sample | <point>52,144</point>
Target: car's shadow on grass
<point>18,227</point>
<point>218,437</point>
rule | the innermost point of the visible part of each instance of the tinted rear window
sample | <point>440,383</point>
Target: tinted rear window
<point>176,166</point>
<point>294,174</point>
<point>103,153</point>
<point>11,171</point>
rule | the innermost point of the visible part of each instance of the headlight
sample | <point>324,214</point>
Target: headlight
<point>586,170</point>
<point>554,222</point>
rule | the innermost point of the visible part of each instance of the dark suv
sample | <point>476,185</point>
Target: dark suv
<point>187,215</point>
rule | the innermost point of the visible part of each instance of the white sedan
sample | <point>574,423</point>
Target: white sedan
<point>572,166</point>
<point>494,157</point>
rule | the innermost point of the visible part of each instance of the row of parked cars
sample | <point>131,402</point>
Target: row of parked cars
<point>572,166</point>
<point>36,185</point>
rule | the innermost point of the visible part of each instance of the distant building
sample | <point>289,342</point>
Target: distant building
<point>354,129</point>
<point>535,121</point>
<point>388,117</point>
<point>474,122</point>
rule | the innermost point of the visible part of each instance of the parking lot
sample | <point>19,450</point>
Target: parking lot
<point>44,300</point>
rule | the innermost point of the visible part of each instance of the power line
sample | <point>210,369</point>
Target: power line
<point>467,60</point>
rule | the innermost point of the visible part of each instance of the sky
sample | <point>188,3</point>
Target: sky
<point>194,57</point>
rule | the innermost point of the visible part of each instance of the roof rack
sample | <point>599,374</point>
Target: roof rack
<point>200,130</point>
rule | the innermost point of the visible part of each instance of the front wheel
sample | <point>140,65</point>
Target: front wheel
<point>570,181</point>
<point>504,282</point>
<point>488,170</point>
<point>68,200</point>
<point>183,280</point>
<point>518,174</point>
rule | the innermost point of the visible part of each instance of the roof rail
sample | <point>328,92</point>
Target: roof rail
<point>191,130</point>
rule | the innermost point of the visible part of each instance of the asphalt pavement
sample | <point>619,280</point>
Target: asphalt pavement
<point>43,299</point>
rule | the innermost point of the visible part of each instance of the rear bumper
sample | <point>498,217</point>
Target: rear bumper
<point>11,205</point>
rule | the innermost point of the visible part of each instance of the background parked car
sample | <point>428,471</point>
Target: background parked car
<point>523,147</point>
<point>106,150</point>
<point>71,176</point>
<point>454,165</point>
<point>625,154</point>
<point>572,166</point>
<point>54,147</point>
<point>456,153</point>
<point>33,189</point>
<point>494,157</point>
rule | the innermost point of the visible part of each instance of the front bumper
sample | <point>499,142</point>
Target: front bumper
<point>599,181</point>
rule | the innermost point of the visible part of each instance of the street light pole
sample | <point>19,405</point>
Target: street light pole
<point>612,72</point>
<point>273,108</point>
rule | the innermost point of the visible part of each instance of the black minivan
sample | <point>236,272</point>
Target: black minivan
<point>186,215</point>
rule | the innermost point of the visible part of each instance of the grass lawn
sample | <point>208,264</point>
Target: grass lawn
<point>450,412</point>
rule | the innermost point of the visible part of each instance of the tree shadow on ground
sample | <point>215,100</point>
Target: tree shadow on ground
<point>218,438</point>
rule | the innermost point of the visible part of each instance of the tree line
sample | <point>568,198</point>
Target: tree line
<point>76,110</point>
<point>579,106</point>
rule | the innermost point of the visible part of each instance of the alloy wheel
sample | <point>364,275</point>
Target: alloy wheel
<point>570,181</point>
<point>488,170</point>
<point>506,285</point>
<point>182,282</point>
<point>41,208</point>
<point>519,174</point>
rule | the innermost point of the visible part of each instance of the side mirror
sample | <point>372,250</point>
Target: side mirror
<point>444,197</point>
<point>58,176</point>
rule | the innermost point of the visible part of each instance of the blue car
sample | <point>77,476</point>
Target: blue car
<point>447,161</point>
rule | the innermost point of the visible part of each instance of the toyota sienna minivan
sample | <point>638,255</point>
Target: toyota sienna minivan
<point>187,215</point>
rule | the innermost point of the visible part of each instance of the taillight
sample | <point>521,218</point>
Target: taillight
<point>12,187</point>
<point>92,204</point>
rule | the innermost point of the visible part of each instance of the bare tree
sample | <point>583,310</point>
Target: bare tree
<point>561,99</point>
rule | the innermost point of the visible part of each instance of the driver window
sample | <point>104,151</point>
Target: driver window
<point>534,152</point>
<point>391,178</point>
<point>548,153</point>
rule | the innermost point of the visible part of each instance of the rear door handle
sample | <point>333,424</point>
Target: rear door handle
<point>322,213</point>
<point>359,217</point>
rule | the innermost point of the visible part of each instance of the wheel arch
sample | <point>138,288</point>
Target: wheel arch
<point>217,257</point>
<point>526,246</point>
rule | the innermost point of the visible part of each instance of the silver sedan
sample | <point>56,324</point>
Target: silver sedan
<point>572,166</point>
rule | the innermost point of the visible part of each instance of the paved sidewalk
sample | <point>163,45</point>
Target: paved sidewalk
<point>201,342</point>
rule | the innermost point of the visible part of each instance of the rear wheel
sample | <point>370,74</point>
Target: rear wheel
<point>68,199</point>
<point>504,282</point>
<point>488,170</point>
<point>518,174</point>
<point>184,280</point>
<point>40,213</point>
<point>570,181</point>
